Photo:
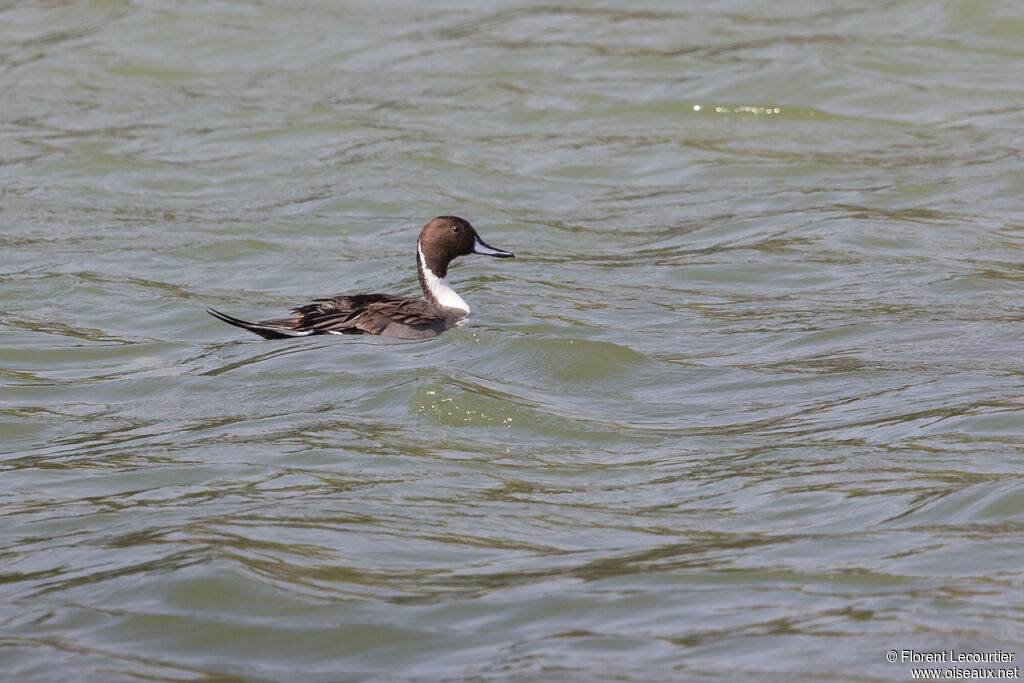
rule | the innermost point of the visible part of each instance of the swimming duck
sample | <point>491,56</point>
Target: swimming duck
<point>441,241</point>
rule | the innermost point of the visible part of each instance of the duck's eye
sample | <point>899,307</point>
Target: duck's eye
<point>455,228</point>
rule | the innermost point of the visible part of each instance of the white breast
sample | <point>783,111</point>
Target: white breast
<point>439,288</point>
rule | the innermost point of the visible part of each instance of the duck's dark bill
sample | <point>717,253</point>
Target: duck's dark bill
<point>481,247</point>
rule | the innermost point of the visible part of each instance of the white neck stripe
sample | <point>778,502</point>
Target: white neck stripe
<point>439,288</point>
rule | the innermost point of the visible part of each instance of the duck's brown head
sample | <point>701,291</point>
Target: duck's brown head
<point>448,237</point>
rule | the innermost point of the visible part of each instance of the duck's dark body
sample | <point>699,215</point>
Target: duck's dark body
<point>442,240</point>
<point>383,314</point>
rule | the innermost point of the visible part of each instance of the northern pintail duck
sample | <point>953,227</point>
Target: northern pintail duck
<point>441,240</point>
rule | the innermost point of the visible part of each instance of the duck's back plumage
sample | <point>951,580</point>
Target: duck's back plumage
<point>383,314</point>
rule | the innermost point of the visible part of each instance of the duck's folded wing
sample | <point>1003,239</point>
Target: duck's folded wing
<point>383,314</point>
<point>331,315</point>
<point>320,317</point>
<point>403,318</point>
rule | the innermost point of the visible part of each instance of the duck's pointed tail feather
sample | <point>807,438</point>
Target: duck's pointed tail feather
<point>268,329</point>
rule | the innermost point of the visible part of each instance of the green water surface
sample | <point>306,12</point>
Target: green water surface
<point>748,405</point>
